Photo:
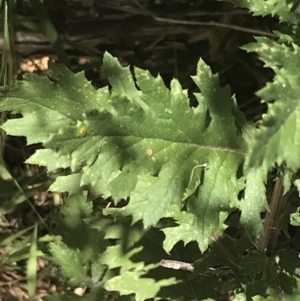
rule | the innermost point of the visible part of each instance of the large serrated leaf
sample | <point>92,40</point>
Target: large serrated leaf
<point>139,140</point>
<point>277,140</point>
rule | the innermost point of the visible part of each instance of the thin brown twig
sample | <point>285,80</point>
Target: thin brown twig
<point>213,23</point>
<point>148,13</point>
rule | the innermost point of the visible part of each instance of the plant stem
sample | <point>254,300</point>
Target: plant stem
<point>268,240</point>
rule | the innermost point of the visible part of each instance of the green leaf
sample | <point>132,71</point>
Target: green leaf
<point>185,231</point>
<point>49,159</point>
<point>114,257</point>
<point>139,269</point>
<point>125,232</point>
<point>254,202</point>
<point>71,262</point>
<point>133,282</point>
<point>139,140</point>
<point>188,229</point>
<point>51,105</point>
<point>71,223</point>
<point>281,8</point>
<point>70,183</point>
<point>277,140</point>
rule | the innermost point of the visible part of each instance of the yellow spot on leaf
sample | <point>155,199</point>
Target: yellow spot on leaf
<point>149,152</point>
<point>81,128</point>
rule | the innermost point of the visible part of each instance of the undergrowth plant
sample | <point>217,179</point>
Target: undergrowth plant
<point>168,201</point>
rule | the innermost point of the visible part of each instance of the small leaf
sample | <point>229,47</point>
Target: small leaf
<point>132,282</point>
<point>115,257</point>
<point>71,263</point>
<point>70,183</point>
